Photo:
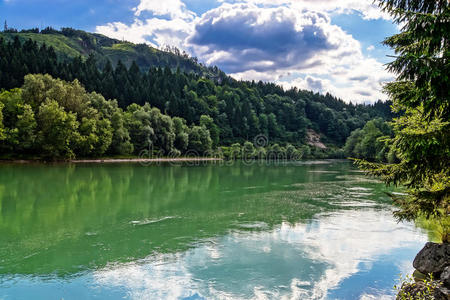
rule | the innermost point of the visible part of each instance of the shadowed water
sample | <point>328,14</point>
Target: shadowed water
<point>300,230</point>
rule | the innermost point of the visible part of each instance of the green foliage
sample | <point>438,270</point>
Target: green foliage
<point>236,151</point>
<point>412,290</point>
<point>158,109</point>
<point>18,122</point>
<point>422,134</point>
<point>305,151</point>
<point>275,152</point>
<point>199,140</point>
<point>95,137</point>
<point>26,129</point>
<point>138,124</point>
<point>54,119</point>
<point>248,150</point>
<point>2,128</point>
<point>181,134</point>
<point>57,130</point>
<point>233,111</point>
<point>369,142</point>
<point>121,141</point>
<point>422,54</point>
<point>163,130</point>
<point>292,153</point>
<point>214,130</point>
<point>435,228</point>
<point>423,147</point>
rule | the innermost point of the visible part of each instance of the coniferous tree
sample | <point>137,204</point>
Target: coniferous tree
<point>422,133</point>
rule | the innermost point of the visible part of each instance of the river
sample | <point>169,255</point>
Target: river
<point>220,230</point>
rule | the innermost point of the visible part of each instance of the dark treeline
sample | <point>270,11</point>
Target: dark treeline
<point>240,110</point>
<point>69,41</point>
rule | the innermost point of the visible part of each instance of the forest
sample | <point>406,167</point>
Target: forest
<point>83,109</point>
<point>70,43</point>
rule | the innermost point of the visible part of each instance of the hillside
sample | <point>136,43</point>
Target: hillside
<point>212,112</point>
<point>69,43</point>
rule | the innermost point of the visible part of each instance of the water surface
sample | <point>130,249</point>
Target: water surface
<point>300,230</point>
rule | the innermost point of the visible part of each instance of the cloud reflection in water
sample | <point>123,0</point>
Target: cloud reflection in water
<point>301,261</point>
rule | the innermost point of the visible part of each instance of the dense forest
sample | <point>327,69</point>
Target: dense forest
<point>218,111</point>
<point>70,43</point>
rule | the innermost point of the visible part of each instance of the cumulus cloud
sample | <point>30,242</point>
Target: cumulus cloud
<point>366,8</point>
<point>359,78</point>
<point>171,8</point>
<point>358,81</point>
<point>314,84</point>
<point>154,31</point>
<point>293,43</point>
<point>275,41</point>
<point>268,38</point>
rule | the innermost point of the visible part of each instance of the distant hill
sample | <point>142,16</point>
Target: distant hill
<point>233,111</point>
<point>69,43</point>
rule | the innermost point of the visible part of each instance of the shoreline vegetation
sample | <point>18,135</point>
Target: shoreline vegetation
<point>53,108</point>
<point>51,119</point>
<point>114,160</point>
<point>109,160</point>
<point>146,160</point>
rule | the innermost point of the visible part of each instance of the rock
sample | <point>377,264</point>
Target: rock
<point>441,293</point>
<point>445,277</point>
<point>433,258</point>
<point>313,139</point>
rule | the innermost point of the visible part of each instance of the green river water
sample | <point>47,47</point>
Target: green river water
<point>294,230</point>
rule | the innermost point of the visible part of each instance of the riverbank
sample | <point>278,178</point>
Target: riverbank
<point>146,160</point>
<point>115,160</point>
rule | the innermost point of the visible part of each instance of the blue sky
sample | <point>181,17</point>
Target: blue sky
<point>321,45</point>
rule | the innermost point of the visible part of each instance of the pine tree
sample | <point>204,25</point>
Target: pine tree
<point>422,133</point>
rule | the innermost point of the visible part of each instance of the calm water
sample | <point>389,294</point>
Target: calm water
<point>311,230</point>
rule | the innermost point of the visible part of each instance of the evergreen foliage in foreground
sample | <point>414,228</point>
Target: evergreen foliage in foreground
<point>422,134</point>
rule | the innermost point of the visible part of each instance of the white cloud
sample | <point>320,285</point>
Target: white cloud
<point>273,42</point>
<point>154,31</point>
<point>360,80</point>
<point>170,24</point>
<point>367,8</point>
<point>268,39</point>
<point>371,48</point>
<point>172,8</point>
<point>334,255</point>
<point>291,42</point>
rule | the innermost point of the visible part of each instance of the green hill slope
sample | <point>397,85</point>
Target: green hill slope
<point>231,111</point>
<point>69,43</point>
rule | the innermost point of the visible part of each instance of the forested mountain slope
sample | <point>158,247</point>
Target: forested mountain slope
<point>69,43</point>
<point>232,111</point>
